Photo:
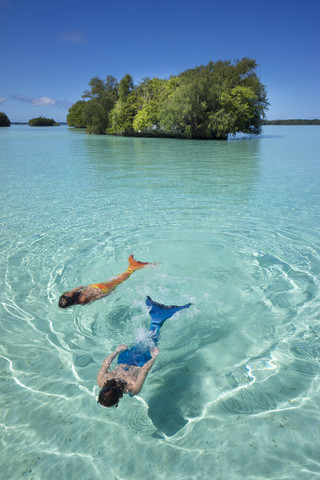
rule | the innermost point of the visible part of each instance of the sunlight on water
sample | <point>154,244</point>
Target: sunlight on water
<point>235,228</point>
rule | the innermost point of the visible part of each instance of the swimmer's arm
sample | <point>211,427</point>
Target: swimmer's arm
<point>144,370</point>
<point>101,377</point>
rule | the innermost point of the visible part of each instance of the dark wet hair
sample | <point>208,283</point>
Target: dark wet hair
<point>67,300</point>
<point>111,392</point>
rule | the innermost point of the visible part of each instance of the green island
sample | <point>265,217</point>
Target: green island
<point>292,121</point>
<point>43,122</point>
<point>206,102</point>
<point>4,120</point>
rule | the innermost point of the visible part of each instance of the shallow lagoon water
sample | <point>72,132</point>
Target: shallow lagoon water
<point>235,226</point>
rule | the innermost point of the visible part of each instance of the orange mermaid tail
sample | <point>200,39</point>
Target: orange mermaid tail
<point>134,265</point>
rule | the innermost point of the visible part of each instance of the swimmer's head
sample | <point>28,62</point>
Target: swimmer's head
<point>111,393</point>
<point>67,300</point>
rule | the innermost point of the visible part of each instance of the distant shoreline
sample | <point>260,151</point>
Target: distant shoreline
<point>292,121</point>
<point>27,123</point>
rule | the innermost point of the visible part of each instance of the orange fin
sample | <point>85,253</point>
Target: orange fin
<point>135,264</point>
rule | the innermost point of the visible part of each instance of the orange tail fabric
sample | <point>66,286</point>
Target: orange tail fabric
<point>135,264</point>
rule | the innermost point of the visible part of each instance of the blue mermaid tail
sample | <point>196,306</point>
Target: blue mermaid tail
<point>139,354</point>
<point>160,313</point>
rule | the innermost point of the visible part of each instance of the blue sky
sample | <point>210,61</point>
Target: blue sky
<point>51,50</point>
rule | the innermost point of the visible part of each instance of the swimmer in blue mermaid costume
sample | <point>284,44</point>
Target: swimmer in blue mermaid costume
<point>134,363</point>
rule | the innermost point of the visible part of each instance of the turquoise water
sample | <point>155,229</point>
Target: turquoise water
<point>235,390</point>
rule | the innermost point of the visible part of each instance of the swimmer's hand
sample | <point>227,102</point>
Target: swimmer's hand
<point>154,352</point>
<point>121,348</point>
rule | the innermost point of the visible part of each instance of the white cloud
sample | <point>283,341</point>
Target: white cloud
<point>46,101</point>
<point>41,102</point>
<point>75,37</point>
<point>2,99</point>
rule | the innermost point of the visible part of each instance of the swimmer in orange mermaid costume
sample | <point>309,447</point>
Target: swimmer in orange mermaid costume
<point>83,295</point>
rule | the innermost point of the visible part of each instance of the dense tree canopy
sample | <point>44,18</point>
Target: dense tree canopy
<point>42,122</point>
<point>215,100</point>
<point>75,117</point>
<point>102,99</point>
<point>209,101</point>
<point>4,120</point>
<point>123,114</point>
<point>125,87</point>
<point>153,94</point>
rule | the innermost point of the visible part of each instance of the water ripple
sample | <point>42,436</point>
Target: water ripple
<point>138,419</point>
<point>235,227</point>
